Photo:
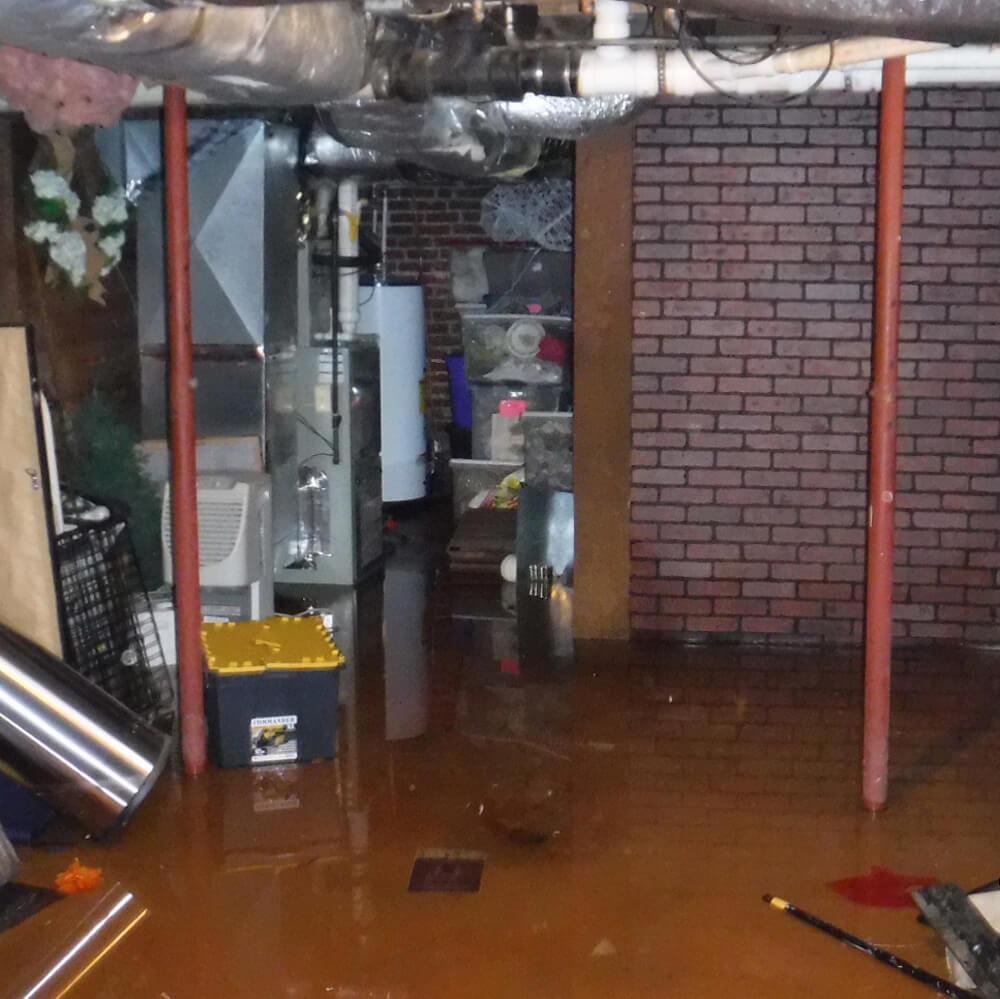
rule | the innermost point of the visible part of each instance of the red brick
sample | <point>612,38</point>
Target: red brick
<point>780,491</point>
<point>713,588</point>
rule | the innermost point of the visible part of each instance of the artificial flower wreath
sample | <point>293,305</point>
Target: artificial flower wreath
<point>82,248</point>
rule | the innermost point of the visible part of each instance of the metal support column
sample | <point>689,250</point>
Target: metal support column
<point>882,436</point>
<point>183,461</point>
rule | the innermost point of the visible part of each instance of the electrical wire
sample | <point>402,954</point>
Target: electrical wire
<point>326,440</point>
<point>684,43</point>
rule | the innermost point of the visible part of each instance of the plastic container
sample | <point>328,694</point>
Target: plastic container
<point>461,395</point>
<point>497,344</point>
<point>23,815</point>
<point>497,434</point>
<point>548,450</point>
<point>471,478</point>
<point>272,691</point>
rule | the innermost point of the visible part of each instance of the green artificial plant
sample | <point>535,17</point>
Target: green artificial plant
<point>105,463</point>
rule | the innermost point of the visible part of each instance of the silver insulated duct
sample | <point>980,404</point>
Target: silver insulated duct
<point>70,742</point>
<point>452,134</point>
<point>288,54</point>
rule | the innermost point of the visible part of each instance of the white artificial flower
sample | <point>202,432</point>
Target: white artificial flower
<point>69,252</point>
<point>51,185</point>
<point>42,232</point>
<point>111,246</point>
<point>110,209</point>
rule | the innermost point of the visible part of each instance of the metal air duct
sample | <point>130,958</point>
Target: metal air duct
<point>453,135</point>
<point>71,743</point>
<point>288,54</point>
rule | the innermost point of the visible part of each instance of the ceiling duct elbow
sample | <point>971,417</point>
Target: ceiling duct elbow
<point>287,54</point>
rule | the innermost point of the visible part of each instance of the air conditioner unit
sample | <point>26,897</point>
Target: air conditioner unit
<point>234,538</point>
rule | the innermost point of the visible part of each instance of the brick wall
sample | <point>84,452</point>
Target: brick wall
<point>752,303</point>
<point>425,221</point>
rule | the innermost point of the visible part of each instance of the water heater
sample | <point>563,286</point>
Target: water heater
<point>395,314</point>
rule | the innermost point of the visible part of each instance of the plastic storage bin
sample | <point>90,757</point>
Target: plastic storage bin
<point>272,691</point>
<point>496,345</point>
<point>497,408</point>
<point>469,478</point>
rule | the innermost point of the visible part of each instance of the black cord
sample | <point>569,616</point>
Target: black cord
<point>684,43</point>
<point>326,440</point>
<point>752,58</point>
<point>650,26</point>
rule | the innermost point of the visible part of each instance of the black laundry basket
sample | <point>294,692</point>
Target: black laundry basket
<point>108,621</point>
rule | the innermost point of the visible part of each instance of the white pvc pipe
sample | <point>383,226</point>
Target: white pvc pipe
<point>645,73</point>
<point>611,20</point>
<point>631,72</point>
<point>348,221</point>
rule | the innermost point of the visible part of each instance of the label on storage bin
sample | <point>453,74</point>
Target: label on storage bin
<point>273,740</point>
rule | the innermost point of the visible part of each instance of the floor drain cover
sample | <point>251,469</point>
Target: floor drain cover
<point>447,872</point>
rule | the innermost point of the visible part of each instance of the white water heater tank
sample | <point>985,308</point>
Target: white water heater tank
<point>395,314</point>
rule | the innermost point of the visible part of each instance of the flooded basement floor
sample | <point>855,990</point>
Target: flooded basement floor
<point>632,804</point>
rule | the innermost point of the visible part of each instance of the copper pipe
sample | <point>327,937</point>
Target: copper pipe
<point>882,436</point>
<point>183,463</point>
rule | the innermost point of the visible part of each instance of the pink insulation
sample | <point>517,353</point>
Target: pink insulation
<point>62,93</point>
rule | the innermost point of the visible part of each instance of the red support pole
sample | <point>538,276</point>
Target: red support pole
<point>183,463</point>
<point>882,436</point>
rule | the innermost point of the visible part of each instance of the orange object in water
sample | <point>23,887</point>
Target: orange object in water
<point>77,878</point>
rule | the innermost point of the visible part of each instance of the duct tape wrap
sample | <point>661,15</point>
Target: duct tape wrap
<point>565,117</point>
<point>328,156</point>
<point>296,53</point>
<point>452,135</point>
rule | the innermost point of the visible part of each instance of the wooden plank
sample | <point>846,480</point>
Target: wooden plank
<point>27,576</point>
<point>603,382</point>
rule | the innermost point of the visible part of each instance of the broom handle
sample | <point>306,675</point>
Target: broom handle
<point>942,985</point>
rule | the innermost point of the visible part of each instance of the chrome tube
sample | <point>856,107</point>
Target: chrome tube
<point>71,743</point>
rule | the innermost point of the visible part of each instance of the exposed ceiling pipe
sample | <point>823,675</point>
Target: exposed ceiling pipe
<point>648,73</point>
<point>953,21</point>
<point>278,54</point>
<point>616,69</point>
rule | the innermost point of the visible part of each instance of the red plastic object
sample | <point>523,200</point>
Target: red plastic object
<point>514,408</point>
<point>882,888</point>
<point>553,349</point>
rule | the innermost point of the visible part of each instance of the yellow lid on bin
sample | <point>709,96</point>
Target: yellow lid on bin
<point>248,647</point>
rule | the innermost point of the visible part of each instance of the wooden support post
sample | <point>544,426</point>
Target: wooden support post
<point>603,382</point>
